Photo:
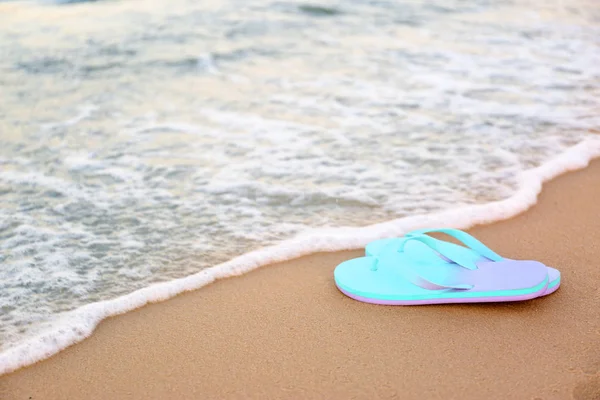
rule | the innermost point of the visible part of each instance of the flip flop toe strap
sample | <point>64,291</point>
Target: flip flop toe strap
<point>394,254</point>
<point>464,238</point>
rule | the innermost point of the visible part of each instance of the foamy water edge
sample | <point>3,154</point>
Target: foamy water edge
<point>79,324</point>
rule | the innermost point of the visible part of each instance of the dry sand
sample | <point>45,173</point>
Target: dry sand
<point>285,331</point>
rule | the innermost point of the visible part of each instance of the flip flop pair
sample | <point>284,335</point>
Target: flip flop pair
<point>419,269</point>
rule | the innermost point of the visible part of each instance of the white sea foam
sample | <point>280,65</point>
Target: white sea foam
<point>76,325</point>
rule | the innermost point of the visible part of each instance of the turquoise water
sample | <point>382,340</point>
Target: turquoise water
<point>146,141</point>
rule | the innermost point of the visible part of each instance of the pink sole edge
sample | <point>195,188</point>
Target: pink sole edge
<point>529,296</point>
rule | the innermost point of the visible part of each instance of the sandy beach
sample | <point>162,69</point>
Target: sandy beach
<point>285,331</point>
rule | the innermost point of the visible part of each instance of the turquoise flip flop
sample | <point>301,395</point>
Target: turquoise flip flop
<point>479,251</point>
<point>398,276</point>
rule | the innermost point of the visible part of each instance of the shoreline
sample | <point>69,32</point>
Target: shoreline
<point>286,331</point>
<point>81,323</point>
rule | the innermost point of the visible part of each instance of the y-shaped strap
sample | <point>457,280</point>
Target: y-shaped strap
<point>397,255</point>
<point>456,254</point>
<point>464,238</point>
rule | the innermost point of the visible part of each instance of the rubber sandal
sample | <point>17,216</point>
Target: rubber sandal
<point>480,252</point>
<point>398,276</point>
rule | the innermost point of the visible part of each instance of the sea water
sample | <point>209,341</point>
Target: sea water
<point>144,145</point>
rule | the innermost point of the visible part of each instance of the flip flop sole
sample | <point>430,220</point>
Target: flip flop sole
<point>554,284</point>
<point>553,274</point>
<point>519,280</point>
<point>447,300</point>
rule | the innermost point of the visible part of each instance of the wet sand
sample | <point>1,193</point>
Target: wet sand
<point>285,331</point>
